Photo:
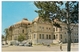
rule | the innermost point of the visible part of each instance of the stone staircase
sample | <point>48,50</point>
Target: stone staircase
<point>55,41</point>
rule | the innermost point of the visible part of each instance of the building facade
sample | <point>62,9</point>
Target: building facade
<point>19,28</point>
<point>60,33</point>
<point>40,31</point>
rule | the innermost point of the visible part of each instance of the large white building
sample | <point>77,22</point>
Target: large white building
<point>40,31</point>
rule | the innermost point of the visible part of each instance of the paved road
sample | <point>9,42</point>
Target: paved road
<point>38,48</point>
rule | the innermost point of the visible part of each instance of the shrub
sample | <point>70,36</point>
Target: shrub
<point>21,38</point>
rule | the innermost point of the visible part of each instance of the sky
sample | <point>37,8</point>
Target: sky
<point>15,11</point>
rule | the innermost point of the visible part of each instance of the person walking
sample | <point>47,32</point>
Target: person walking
<point>61,46</point>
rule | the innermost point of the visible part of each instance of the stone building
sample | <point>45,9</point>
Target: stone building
<point>19,28</point>
<point>40,31</point>
<point>60,33</point>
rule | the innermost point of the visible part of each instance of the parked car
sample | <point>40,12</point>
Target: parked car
<point>2,44</point>
<point>21,44</point>
<point>17,43</point>
<point>27,44</point>
<point>14,43</point>
<point>11,43</point>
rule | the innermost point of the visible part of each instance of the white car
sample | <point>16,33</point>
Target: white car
<point>27,44</point>
<point>21,44</point>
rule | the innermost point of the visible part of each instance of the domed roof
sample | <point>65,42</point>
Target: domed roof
<point>55,20</point>
<point>24,21</point>
<point>36,19</point>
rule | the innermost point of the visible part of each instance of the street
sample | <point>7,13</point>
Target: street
<point>39,48</point>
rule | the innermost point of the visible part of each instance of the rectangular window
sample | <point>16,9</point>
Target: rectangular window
<point>39,26</point>
<point>23,31</point>
<point>39,36</point>
<point>34,35</point>
<point>60,29</point>
<point>56,29</point>
<point>61,36</point>
<point>46,36</point>
<point>47,28</point>
<point>56,36</point>
<point>42,36</point>
<point>53,29</point>
<point>49,36</point>
<point>42,27</point>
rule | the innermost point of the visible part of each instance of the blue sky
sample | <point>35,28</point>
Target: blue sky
<point>14,11</point>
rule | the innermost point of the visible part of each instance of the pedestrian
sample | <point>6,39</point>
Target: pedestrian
<point>48,45</point>
<point>61,45</point>
<point>31,43</point>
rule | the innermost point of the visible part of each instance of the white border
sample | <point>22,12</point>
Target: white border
<point>39,0</point>
<point>31,0</point>
<point>79,27</point>
<point>0,24</point>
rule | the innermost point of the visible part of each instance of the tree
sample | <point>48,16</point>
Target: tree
<point>6,33</point>
<point>3,37</point>
<point>11,30</point>
<point>21,38</point>
<point>52,10</point>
